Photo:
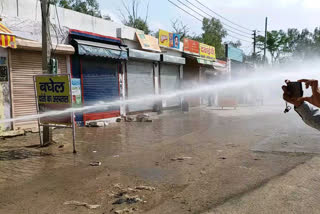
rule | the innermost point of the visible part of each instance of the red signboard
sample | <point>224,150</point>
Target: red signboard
<point>191,46</point>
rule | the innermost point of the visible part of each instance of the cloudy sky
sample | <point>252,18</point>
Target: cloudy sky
<point>282,14</point>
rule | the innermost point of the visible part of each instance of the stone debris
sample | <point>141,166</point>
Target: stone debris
<point>78,203</point>
<point>128,199</point>
<point>95,163</point>
<point>95,124</point>
<point>222,158</point>
<point>202,172</point>
<point>143,118</point>
<point>145,188</point>
<point>126,210</point>
<point>128,119</point>
<point>180,158</point>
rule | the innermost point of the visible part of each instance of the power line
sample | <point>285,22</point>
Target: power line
<point>185,11</point>
<point>212,17</point>
<point>201,21</point>
<point>223,17</point>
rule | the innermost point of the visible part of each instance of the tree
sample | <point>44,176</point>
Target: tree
<point>180,28</point>
<point>236,44</point>
<point>90,7</point>
<point>132,17</point>
<point>213,33</point>
<point>277,44</point>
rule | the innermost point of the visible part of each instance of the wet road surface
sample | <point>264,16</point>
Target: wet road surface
<point>206,160</point>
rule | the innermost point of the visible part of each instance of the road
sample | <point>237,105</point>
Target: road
<point>248,160</point>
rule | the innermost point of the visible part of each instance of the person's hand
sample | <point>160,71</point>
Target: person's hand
<point>287,97</point>
<point>315,98</point>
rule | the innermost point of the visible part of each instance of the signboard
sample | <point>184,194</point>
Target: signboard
<point>235,54</point>
<point>53,94</point>
<point>148,42</point>
<point>170,40</point>
<point>191,46</point>
<point>76,92</point>
<point>207,51</point>
<point>53,89</point>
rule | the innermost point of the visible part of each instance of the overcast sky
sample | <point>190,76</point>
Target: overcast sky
<point>282,14</point>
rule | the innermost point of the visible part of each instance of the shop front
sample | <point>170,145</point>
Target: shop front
<point>171,71</point>
<point>141,69</point>
<point>24,63</point>
<point>98,63</point>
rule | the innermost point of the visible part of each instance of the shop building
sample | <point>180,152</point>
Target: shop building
<point>98,62</point>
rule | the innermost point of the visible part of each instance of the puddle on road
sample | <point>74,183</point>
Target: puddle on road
<point>20,154</point>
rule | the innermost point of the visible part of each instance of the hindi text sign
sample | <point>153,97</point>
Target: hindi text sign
<point>207,51</point>
<point>53,89</point>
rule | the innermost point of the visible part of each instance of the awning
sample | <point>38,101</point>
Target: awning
<point>143,55</point>
<point>90,48</point>
<point>37,46</point>
<point>173,59</point>
<point>7,39</point>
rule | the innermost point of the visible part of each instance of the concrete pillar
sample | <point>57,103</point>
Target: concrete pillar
<point>157,107</point>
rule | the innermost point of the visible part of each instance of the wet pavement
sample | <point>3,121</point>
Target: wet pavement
<point>197,162</point>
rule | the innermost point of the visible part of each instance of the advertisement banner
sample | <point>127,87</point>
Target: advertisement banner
<point>191,46</point>
<point>148,42</point>
<point>170,40</point>
<point>53,94</point>
<point>207,51</point>
<point>76,92</point>
<point>235,54</point>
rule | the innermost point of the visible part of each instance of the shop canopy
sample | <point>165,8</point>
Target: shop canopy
<point>7,39</point>
<point>90,48</point>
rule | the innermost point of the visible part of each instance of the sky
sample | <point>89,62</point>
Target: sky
<point>282,14</point>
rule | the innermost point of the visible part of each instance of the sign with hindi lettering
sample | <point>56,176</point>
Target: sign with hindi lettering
<point>207,51</point>
<point>53,89</point>
<point>54,94</point>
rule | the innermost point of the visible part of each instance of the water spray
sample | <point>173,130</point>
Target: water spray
<point>256,78</point>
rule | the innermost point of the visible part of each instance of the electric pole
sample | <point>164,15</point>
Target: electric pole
<point>265,41</point>
<point>46,52</point>
<point>254,44</point>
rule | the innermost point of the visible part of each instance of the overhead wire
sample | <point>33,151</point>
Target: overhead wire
<point>201,20</point>
<point>220,21</point>
<point>239,34</point>
<point>223,17</point>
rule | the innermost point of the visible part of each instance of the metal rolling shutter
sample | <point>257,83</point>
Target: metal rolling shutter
<point>24,65</point>
<point>170,82</point>
<point>140,83</point>
<point>100,84</point>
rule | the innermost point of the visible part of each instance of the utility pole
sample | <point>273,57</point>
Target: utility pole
<point>265,41</point>
<point>46,52</point>
<point>254,44</point>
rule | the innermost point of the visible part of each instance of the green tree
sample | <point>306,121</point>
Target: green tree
<point>277,44</point>
<point>90,7</point>
<point>236,44</point>
<point>132,18</point>
<point>213,33</point>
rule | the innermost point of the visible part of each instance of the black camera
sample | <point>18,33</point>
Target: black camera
<point>295,89</point>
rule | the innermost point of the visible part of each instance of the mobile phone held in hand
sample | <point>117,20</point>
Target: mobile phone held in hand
<point>295,89</point>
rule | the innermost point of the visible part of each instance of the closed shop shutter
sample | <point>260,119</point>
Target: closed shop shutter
<point>24,65</point>
<point>140,83</point>
<point>170,82</point>
<point>100,84</point>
